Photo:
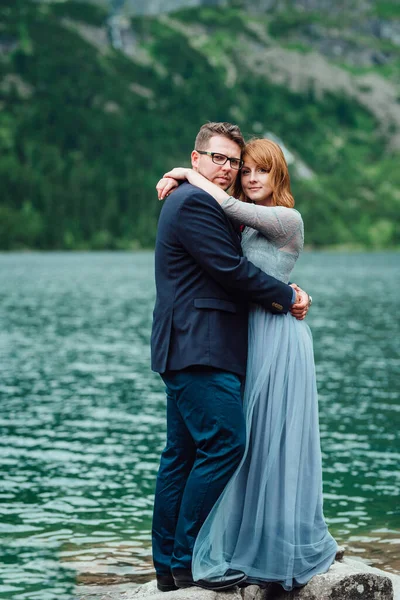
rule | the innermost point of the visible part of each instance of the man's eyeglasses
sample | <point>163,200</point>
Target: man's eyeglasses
<point>220,159</point>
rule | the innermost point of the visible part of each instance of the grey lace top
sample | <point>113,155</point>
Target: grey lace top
<point>273,237</point>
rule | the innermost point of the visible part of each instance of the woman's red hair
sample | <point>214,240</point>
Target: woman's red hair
<point>268,155</point>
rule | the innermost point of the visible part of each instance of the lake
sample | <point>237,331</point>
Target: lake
<point>83,418</point>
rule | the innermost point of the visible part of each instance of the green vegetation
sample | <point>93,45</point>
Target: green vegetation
<point>215,19</point>
<point>283,24</point>
<point>85,133</point>
<point>387,9</point>
<point>79,11</point>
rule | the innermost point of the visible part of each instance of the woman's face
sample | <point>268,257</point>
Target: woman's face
<point>255,183</point>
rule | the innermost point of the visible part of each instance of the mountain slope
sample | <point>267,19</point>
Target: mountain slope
<point>86,130</point>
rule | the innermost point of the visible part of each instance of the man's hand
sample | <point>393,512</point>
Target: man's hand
<point>165,186</point>
<point>300,307</point>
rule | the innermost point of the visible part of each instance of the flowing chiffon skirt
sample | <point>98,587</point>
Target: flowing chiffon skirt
<point>269,522</point>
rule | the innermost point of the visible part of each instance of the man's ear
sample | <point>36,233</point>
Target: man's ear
<point>195,159</point>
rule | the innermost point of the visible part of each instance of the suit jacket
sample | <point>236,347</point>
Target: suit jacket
<point>204,285</point>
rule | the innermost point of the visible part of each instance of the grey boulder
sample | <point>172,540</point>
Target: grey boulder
<point>149,591</point>
<point>346,580</point>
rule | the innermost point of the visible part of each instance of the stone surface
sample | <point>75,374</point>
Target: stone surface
<point>150,591</point>
<point>346,580</point>
<point>340,553</point>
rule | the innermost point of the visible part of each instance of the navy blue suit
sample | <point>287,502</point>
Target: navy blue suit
<point>199,346</point>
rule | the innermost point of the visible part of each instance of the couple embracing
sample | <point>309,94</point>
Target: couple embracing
<point>239,490</point>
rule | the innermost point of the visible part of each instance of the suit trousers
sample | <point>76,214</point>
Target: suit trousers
<point>206,439</point>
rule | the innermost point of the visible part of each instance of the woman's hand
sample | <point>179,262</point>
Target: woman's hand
<point>170,181</point>
<point>165,186</point>
<point>300,307</point>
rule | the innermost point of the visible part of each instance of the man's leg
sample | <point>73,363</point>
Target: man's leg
<point>176,463</point>
<point>211,405</point>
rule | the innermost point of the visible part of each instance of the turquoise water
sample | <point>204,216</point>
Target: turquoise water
<point>82,416</point>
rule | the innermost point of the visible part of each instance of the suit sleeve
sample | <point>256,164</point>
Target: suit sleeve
<point>204,233</point>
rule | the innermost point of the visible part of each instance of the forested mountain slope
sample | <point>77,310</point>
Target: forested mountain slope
<point>94,110</point>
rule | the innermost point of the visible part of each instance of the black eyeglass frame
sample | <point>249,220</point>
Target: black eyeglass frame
<point>212,154</point>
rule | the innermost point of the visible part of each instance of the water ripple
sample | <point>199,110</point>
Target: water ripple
<point>82,417</point>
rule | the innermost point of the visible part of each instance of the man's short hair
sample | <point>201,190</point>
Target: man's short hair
<point>208,130</point>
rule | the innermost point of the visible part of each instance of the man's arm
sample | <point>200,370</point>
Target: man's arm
<point>203,231</point>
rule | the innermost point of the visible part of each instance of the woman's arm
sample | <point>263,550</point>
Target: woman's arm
<point>276,223</point>
<point>170,181</point>
<point>282,225</point>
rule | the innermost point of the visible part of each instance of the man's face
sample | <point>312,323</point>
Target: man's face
<point>221,175</point>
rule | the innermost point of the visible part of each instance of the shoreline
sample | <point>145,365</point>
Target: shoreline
<point>108,572</point>
<point>336,249</point>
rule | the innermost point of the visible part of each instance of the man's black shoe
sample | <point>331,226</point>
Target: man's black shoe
<point>166,583</point>
<point>184,579</point>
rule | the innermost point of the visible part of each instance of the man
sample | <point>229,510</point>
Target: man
<point>199,346</point>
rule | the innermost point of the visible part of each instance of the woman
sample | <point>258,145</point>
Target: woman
<point>269,522</point>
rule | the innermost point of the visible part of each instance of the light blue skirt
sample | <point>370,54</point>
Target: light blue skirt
<point>269,521</point>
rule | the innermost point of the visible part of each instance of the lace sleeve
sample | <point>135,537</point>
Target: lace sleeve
<point>281,225</point>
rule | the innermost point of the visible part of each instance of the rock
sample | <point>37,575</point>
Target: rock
<point>253,592</point>
<point>150,591</point>
<point>345,580</point>
<point>340,553</point>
